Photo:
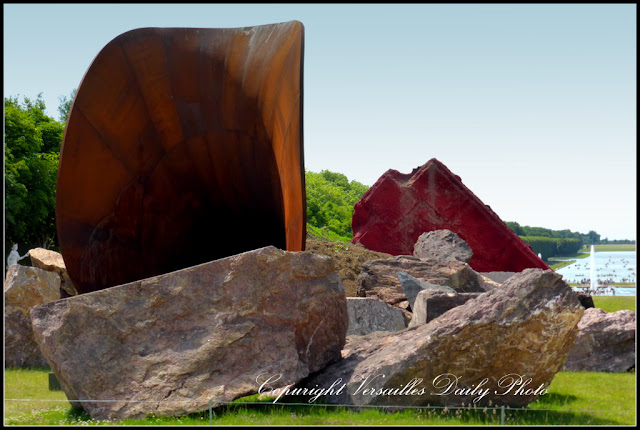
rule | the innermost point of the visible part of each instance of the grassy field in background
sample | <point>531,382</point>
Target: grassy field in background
<point>609,248</point>
<point>615,303</point>
<point>555,264</point>
<point>574,398</point>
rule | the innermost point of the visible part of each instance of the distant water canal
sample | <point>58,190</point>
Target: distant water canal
<point>611,267</point>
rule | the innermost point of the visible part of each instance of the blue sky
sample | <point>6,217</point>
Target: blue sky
<point>533,106</point>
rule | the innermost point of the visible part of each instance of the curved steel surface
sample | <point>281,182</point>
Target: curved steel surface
<point>183,145</point>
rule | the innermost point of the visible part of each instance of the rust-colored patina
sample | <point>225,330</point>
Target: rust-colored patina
<point>183,145</point>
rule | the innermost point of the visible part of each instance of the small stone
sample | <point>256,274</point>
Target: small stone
<point>430,304</point>
<point>367,315</point>
<point>442,245</point>
<point>52,261</point>
<point>412,286</point>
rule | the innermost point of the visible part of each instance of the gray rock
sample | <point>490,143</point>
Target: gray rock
<point>24,288</point>
<point>52,261</point>
<point>367,315</point>
<point>606,342</point>
<point>168,345</point>
<point>499,277</point>
<point>525,328</point>
<point>412,286</point>
<point>430,304</point>
<point>487,284</point>
<point>442,245</point>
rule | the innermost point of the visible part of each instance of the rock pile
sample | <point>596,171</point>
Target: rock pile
<point>379,278</point>
<point>268,319</point>
<point>503,347</point>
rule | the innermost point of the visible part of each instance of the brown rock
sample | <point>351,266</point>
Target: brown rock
<point>524,328</point>
<point>442,245</point>
<point>24,288</point>
<point>52,261</point>
<point>606,342</point>
<point>176,341</point>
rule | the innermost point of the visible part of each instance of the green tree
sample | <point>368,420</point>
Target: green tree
<point>515,227</point>
<point>65,105</point>
<point>330,200</point>
<point>32,145</point>
<point>591,238</point>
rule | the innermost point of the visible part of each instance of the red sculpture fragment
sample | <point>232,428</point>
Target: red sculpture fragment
<point>398,208</point>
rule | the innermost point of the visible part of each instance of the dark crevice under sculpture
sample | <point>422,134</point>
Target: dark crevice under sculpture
<point>183,145</point>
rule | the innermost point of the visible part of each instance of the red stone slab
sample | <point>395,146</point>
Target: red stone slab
<point>398,208</point>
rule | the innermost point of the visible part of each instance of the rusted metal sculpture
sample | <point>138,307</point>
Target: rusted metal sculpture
<point>183,145</point>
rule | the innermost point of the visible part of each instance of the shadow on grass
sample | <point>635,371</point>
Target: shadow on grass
<point>76,413</point>
<point>465,416</point>
<point>546,417</point>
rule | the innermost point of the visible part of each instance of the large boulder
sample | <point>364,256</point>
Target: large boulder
<point>436,199</point>
<point>443,245</point>
<point>606,342</point>
<point>516,336</point>
<point>367,315</point>
<point>52,261</point>
<point>168,345</point>
<point>379,278</point>
<point>24,288</point>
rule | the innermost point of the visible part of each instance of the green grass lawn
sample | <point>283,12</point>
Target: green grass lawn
<point>574,398</point>
<point>615,303</point>
<point>564,260</point>
<point>559,264</point>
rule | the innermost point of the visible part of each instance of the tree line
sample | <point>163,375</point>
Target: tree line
<point>32,149</point>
